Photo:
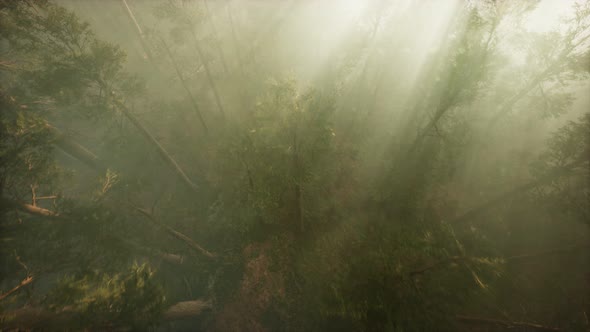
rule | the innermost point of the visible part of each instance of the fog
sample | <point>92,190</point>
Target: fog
<point>249,165</point>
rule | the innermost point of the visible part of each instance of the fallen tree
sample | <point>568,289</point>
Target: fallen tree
<point>28,208</point>
<point>41,212</point>
<point>76,150</point>
<point>34,318</point>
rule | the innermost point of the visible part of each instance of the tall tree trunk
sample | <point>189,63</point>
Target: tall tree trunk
<point>235,39</point>
<point>185,86</point>
<point>138,31</point>
<point>215,36</point>
<point>298,206</point>
<point>208,73</point>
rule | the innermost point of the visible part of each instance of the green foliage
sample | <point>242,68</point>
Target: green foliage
<point>130,299</point>
<point>570,144</point>
<point>65,61</point>
<point>393,281</point>
<point>26,150</point>
<point>287,145</point>
<point>568,150</point>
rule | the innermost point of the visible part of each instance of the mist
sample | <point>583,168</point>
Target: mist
<point>249,165</point>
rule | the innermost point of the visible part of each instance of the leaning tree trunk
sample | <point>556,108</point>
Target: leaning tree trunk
<point>76,150</point>
<point>159,148</point>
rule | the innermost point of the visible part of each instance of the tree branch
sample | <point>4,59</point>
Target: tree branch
<point>175,233</point>
<point>487,206</point>
<point>506,324</point>
<point>547,252</point>
<point>511,259</point>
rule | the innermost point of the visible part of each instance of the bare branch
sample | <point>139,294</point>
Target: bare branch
<point>175,233</point>
<point>23,283</point>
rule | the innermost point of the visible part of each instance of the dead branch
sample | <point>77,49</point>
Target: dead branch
<point>35,210</point>
<point>506,324</point>
<point>23,283</point>
<point>38,198</point>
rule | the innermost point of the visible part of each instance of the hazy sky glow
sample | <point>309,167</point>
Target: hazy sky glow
<point>548,14</point>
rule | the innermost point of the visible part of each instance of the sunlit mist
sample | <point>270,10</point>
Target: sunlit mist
<point>295,165</point>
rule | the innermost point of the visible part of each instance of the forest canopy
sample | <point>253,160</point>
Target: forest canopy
<point>247,165</point>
